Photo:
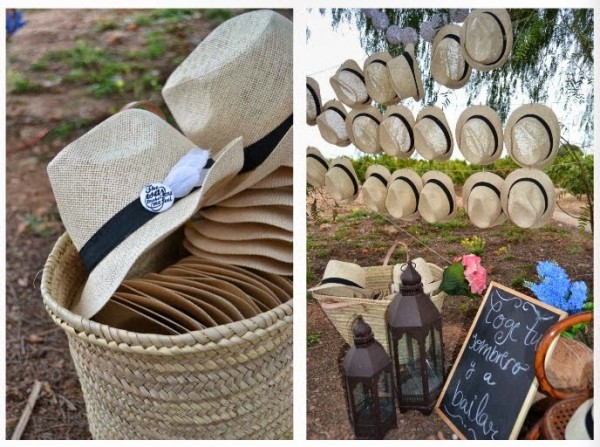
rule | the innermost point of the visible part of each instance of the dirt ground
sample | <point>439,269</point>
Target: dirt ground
<point>359,236</point>
<point>45,112</point>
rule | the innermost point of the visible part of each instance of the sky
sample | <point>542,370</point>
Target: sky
<point>329,48</point>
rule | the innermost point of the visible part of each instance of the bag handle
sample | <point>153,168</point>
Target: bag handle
<point>540,356</point>
<point>145,105</point>
<point>392,249</point>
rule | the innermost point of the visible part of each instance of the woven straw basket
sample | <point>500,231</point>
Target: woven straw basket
<point>342,311</point>
<point>227,382</point>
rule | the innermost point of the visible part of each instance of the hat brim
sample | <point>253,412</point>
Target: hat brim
<point>238,231</point>
<point>450,31</point>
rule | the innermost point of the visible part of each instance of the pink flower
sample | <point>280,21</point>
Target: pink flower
<point>457,258</point>
<point>471,263</point>
<point>477,280</point>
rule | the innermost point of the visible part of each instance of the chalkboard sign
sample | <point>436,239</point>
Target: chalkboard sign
<point>492,383</point>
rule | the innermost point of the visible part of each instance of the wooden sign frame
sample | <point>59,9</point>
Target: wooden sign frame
<point>532,390</point>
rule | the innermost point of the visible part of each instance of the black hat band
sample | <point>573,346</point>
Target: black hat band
<point>315,98</point>
<point>538,184</point>
<point>413,187</point>
<point>492,129</point>
<point>437,121</point>
<point>319,159</point>
<point>446,192</point>
<point>347,171</point>
<point>546,126</point>
<point>408,128</point>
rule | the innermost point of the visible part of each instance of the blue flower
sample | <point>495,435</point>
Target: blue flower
<point>556,289</point>
<point>14,21</point>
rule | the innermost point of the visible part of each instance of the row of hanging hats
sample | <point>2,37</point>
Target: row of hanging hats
<point>526,196</point>
<point>531,135</point>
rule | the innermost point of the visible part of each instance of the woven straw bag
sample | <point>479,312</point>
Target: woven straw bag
<point>227,382</point>
<point>342,311</point>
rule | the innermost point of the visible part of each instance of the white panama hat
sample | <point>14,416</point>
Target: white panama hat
<point>438,198</point>
<point>528,198</point>
<point>363,129</point>
<point>313,101</point>
<point>481,199</point>
<point>486,38</point>
<point>532,136</point>
<point>581,424</point>
<point>349,86</point>
<point>343,279</point>
<point>479,135</point>
<point>374,189</point>
<point>332,123</point>
<point>405,75</point>
<point>433,136</point>
<point>404,190</point>
<point>316,167</point>
<point>377,79</point>
<point>448,66</point>
<point>396,135</point>
<point>341,180</point>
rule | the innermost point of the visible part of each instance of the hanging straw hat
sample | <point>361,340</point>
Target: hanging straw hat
<point>486,38</point>
<point>349,86</point>
<point>343,279</point>
<point>405,75</point>
<point>532,136</point>
<point>237,82</point>
<point>332,123</point>
<point>448,66</point>
<point>433,137</point>
<point>377,79</point>
<point>479,135</point>
<point>528,198</point>
<point>438,200</point>
<point>404,190</point>
<point>481,199</point>
<point>363,129</point>
<point>396,135</point>
<point>341,180</point>
<point>313,101</point>
<point>316,167</point>
<point>374,188</point>
<point>101,186</point>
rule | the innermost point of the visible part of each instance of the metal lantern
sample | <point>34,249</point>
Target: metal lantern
<point>369,383</point>
<point>414,327</point>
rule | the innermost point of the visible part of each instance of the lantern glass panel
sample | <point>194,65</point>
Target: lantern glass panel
<point>433,359</point>
<point>409,377</point>
<point>363,404</point>
<point>386,397</point>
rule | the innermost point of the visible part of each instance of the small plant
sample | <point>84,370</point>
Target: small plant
<point>18,83</point>
<point>312,338</point>
<point>475,245</point>
<point>465,276</point>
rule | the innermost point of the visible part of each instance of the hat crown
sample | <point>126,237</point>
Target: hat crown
<point>483,37</point>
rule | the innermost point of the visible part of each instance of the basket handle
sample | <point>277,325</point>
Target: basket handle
<point>540,356</point>
<point>145,105</point>
<point>328,305</point>
<point>393,249</point>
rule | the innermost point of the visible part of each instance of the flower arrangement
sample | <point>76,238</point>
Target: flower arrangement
<point>465,276</point>
<point>556,289</point>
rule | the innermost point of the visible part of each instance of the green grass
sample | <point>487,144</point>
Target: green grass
<point>18,83</point>
<point>518,280</point>
<point>217,16</point>
<point>66,128</point>
<point>105,25</point>
<point>312,338</point>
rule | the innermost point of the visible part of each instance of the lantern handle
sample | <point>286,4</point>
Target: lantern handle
<point>392,249</point>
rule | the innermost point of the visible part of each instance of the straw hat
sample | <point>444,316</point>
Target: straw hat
<point>332,123</point>
<point>481,199</point>
<point>102,208</point>
<point>341,180</point>
<point>486,38</point>
<point>342,279</point>
<point>581,424</point>
<point>404,190</point>
<point>448,66</point>
<point>422,267</point>
<point>528,198</point>
<point>438,200</point>
<point>374,188</point>
<point>433,137</point>
<point>235,231</point>
<point>237,82</point>
<point>396,135</point>
<point>316,167</point>
<point>277,216</point>
<point>377,78</point>
<point>532,136</point>
<point>479,135</point>
<point>405,75</point>
<point>349,86</point>
<point>313,101</point>
<point>363,129</point>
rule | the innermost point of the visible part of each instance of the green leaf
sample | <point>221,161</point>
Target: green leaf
<point>453,280</point>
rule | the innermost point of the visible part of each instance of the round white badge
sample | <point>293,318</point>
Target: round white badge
<point>157,197</point>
